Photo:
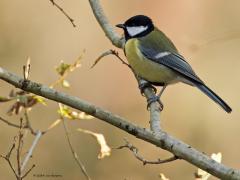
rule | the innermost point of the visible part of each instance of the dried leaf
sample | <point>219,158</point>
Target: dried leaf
<point>105,149</point>
<point>65,83</point>
<point>163,177</point>
<point>203,175</point>
<point>26,69</point>
<point>40,100</point>
<point>62,68</point>
<point>83,115</point>
<point>66,112</point>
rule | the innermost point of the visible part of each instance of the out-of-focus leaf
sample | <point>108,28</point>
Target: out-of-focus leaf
<point>62,68</point>
<point>65,83</point>
<point>105,149</point>
<point>163,177</point>
<point>5,99</point>
<point>203,175</point>
<point>26,69</point>
<point>40,100</point>
<point>83,115</point>
<point>66,112</point>
<point>55,123</point>
<point>101,57</point>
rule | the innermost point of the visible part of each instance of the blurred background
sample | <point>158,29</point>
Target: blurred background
<point>206,32</point>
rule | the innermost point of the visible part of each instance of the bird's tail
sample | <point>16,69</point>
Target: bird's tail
<point>214,97</point>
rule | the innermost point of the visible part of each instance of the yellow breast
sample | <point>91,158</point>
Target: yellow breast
<point>147,69</point>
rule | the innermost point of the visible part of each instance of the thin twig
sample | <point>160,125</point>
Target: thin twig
<point>75,155</point>
<point>134,150</point>
<point>28,171</point>
<point>7,158</point>
<point>28,124</point>
<point>19,145</point>
<point>64,12</point>
<point>30,151</point>
<point>9,123</point>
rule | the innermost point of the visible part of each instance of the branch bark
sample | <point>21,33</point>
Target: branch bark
<point>161,139</point>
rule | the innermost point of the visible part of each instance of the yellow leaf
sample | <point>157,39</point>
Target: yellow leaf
<point>40,100</point>
<point>83,115</point>
<point>163,177</point>
<point>65,83</point>
<point>105,149</point>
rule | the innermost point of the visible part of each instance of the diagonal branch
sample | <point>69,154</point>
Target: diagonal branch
<point>104,23</point>
<point>64,12</point>
<point>161,139</point>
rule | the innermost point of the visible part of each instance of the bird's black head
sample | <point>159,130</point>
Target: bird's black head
<point>137,26</point>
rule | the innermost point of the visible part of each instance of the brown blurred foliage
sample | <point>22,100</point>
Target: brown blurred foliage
<point>207,33</point>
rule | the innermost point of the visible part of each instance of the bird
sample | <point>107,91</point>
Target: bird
<point>155,59</point>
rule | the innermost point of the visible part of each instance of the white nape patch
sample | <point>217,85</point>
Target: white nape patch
<point>162,54</point>
<point>135,30</point>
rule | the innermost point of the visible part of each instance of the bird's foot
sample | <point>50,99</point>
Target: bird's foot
<point>155,99</point>
<point>145,85</point>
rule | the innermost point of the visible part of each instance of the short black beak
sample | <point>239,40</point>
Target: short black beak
<point>120,26</point>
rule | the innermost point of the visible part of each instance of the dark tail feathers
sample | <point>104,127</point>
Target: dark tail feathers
<point>214,97</point>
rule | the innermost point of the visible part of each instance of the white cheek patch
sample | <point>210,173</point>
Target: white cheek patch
<point>162,54</point>
<point>135,30</point>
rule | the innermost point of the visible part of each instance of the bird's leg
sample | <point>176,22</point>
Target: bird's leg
<point>156,98</point>
<point>143,85</point>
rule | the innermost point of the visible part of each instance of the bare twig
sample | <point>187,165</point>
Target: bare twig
<point>30,151</point>
<point>134,149</point>
<point>9,123</point>
<point>7,158</point>
<point>28,124</point>
<point>28,171</point>
<point>63,11</point>
<point>109,52</point>
<point>75,155</point>
<point>19,170</point>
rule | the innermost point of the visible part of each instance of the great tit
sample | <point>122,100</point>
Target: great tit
<point>154,58</point>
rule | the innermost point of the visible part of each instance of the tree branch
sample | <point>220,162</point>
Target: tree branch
<point>104,23</point>
<point>141,158</point>
<point>161,139</point>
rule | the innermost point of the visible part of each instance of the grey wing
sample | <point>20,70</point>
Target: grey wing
<point>171,60</point>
